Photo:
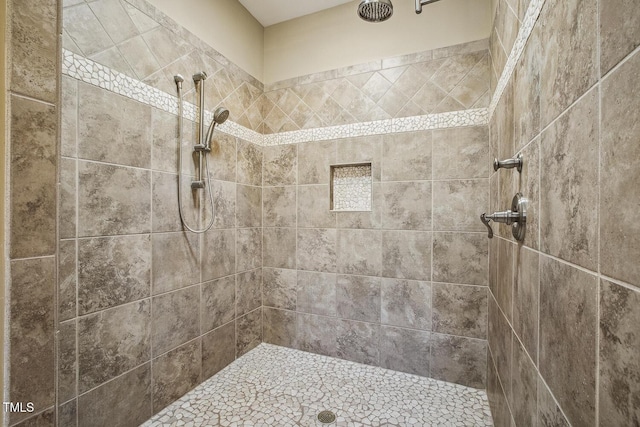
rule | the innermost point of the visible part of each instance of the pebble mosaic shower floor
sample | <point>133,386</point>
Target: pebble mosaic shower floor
<point>277,386</point>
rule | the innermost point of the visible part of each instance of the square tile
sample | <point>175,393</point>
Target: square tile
<point>406,303</point>
<point>358,298</point>
<point>406,255</point>
<point>359,252</point>
<point>619,177</point>
<point>279,288</point>
<point>406,205</point>
<point>460,310</point>
<point>568,326</point>
<point>618,365</point>
<point>460,258</point>
<point>405,350</point>
<point>174,319</point>
<point>569,185</point>
<point>459,360</point>
<point>316,293</point>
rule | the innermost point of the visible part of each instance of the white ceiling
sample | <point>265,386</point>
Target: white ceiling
<point>270,12</point>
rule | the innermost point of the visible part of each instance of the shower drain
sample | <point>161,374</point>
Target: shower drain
<point>326,417</point>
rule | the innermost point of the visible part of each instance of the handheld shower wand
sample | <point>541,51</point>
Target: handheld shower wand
<point>219,117</point>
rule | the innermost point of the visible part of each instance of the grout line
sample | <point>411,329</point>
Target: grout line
<point>305,313</point>
<point>620,64</point>
<point>13,93</point>
<point>599,220</point>
<point>262,249</point>
<point>11,260</point>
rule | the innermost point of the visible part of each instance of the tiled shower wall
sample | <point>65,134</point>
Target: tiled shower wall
<point>31,126</point>
<point>403,286</point>
<point>565,305</point>
<point>435,81</point>
<point>147,311</point>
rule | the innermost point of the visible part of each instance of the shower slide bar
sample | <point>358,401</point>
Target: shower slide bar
<point>201,148</point>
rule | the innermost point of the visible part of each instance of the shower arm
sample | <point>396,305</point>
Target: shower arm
<point>420,3</point>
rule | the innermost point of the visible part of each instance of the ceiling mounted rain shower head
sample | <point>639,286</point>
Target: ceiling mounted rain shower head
<point>375,10</point>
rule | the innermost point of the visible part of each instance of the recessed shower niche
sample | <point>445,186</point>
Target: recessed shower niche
<point>351,187</point>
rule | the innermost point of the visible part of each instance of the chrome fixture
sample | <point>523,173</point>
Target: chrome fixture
<point>199,79</point>
<point>375,10</point>
<point>516,217</point>
<point>219,117</point>
<point>201,148</point>
<point>420,3</point>
<point>515,162</point>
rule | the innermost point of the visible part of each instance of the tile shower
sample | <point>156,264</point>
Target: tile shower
<point>145,312</point>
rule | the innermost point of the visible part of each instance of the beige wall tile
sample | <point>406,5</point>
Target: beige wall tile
<point>175,261</point>
<point>125,401</point>
<point>358,342</point>
<point>404,350</point>
<point>569,58</point>
<point>458,360</point>
<point>618,364</point>
<point>568,327</point>
<point>218,349</point>
<point>174,320</point>
<point>112,342</point>
<point>279,247</point>
<point>31,331</point>
<point>33,178</point>
<point>619,175</point>
<point>113,200</point>
<point>176,373</point>
<point>406,303</point>
<point>218,303</point>
<point>248,332</point>
<point>34,49</point>
<point>619,31</point>
<point>461,153</point>
<point>569,185</point>
<point>103,263</point>
<point>248,291</point>
<point>460,310</point>
<point>279,327</point>
<point>460,258</point>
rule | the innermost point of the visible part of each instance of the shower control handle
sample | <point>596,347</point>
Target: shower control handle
<point>485,221</point>
<point>505,217</point>
<point>516,217</point>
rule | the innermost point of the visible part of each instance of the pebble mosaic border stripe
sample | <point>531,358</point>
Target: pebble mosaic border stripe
<point>529,21</point>
<point>88,71</point>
